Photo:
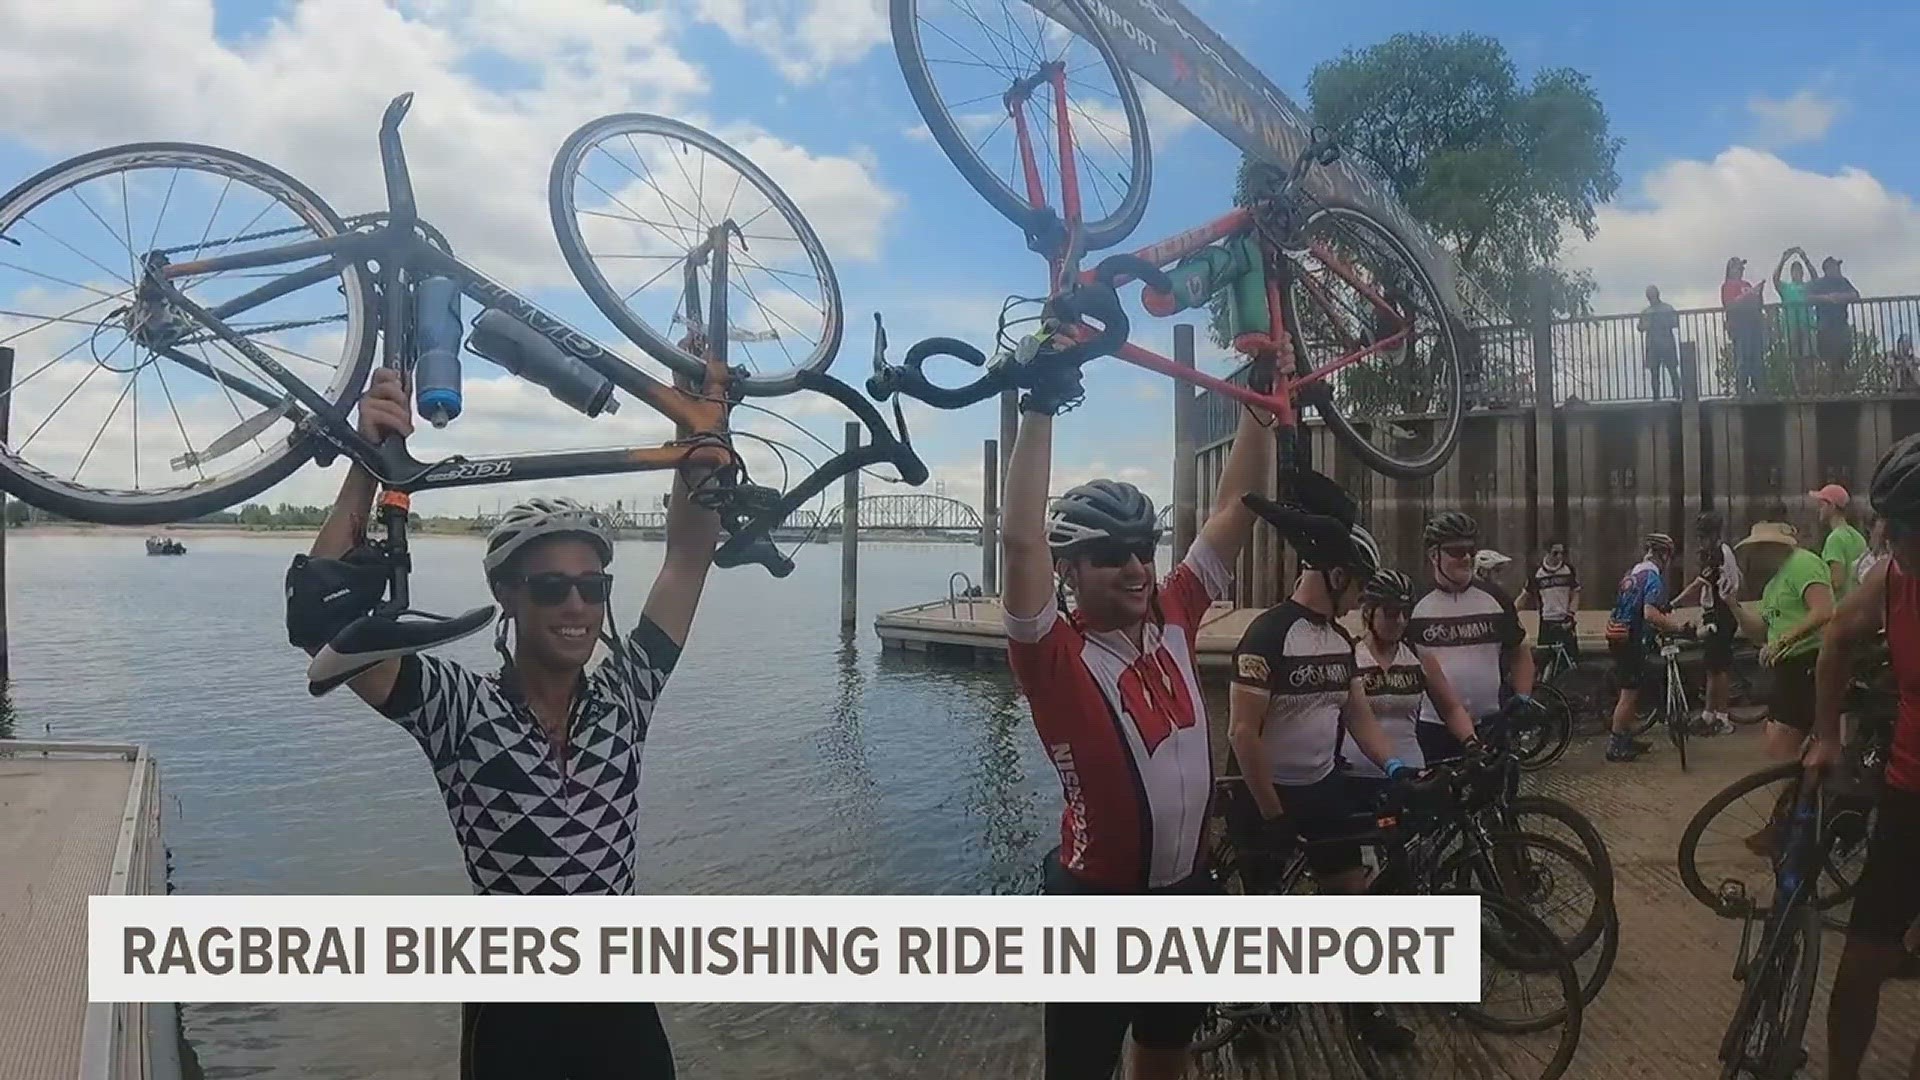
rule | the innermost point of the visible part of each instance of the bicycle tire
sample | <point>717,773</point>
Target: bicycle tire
<point>1547,948</point>
<point>1557,726</point>
<point>1688,855</point>
<point>983,178</point>
<point>1787,1055</point>
<point>105,506</point>
<point>1677,721</point>
<point>1592,845</point>
<point>1593,922</point>
<point>566,228</point>
<point>1328,407</point>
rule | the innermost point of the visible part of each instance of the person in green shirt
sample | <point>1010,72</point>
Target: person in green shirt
<point>1796,317</point>
<point>1795,603</point>
<point>1844,544</point>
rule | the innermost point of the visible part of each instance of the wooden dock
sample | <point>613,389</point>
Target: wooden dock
<point>76,820</point>
<point>971,629</point>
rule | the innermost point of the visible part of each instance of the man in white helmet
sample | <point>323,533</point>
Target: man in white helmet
<point>539,763</point>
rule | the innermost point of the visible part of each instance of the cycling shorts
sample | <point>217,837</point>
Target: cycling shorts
<point>1321,811</point>
<point>1888,900</point>
<point>583,1040</point>
<point>1792,701</point>
<point>1083,1039</point>
<point>1718,641</point>
<point>1559,633</point>
<point>1631,666</point>
<point>1437,744</point>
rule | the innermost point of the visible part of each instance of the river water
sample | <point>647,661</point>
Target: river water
<point>784,758</point>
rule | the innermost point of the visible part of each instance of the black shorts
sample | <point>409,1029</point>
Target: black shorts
<point>1437,744</point>
<point>1083,1039</point>
<point>1792,701</point>
<point>586,1040</point>
<point>1560,633</point>
<point>1718,642</point>
<point>1888,900</point>
<point>1630,666</point>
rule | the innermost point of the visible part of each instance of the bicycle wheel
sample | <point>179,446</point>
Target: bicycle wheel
<point>1733,835</point>
<point>1677,719</point>
<point>1547,877</point>
<point>1399,409</point>
<point>1543,815</point>
<point>1764,1039</point>
<point>1545,740</point>
<point>633,195</point>
<point>965,108</point>
<point>217,428</point>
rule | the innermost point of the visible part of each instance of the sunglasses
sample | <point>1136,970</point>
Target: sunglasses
<point>1392,611</point>
<point>552,588</point>
<point>1458,551</point>
<point>1111,554</point>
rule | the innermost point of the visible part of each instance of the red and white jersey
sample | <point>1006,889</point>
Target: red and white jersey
<point>1126,729</point>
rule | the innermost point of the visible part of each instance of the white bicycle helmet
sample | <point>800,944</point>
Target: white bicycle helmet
<point>537,519</point>
<point>1487,560</point>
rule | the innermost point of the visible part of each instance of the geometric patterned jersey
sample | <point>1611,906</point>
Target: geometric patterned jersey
<point>528,822</point>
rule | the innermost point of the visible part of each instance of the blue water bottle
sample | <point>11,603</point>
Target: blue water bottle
<point>436,370</point>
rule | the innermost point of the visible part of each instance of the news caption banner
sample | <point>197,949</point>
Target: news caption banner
<point>782,948</point>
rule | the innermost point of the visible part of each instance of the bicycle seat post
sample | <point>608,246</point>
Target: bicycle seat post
<point>394,507</point>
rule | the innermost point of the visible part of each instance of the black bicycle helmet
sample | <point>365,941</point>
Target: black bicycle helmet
<point>1707,524</point>
<point>1361,553</point>
<point>1895,492</point>
<point>1100,510</point>
<point>1452,525</point>
<point>1388,587</point>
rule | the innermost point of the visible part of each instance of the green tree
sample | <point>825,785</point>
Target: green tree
<point>1497,170</point>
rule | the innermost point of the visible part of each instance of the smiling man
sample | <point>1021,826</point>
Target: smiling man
<point>539,764</point>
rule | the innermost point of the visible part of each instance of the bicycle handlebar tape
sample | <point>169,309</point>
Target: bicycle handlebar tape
<point>746,548</point>
<point>1321,539</point>
<point>909,380</point>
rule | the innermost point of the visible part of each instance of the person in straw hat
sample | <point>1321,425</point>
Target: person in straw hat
<point>1795,603</point>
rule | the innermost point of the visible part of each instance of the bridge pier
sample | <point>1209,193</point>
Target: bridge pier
<point>850,535</point>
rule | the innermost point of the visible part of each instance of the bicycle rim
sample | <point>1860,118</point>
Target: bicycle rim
<point>959,70</point>
<point>197,427</point>
<point>1554,730</point>
<point>631,195</point>
<point>1540,814</point>
<point>1763,1039</point>
<point>1399,409</point>
<point>1552,976</point>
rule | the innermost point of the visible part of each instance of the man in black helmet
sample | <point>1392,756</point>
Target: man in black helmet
<point>1718,589</point>
<point>1471,627</point>
<point>1117,704</point>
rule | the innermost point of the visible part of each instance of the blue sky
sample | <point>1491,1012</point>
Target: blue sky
<point>1747,127</point>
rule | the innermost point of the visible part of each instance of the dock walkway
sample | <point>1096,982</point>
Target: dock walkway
<point>76,820</point>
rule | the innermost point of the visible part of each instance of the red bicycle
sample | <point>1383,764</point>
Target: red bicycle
<point>1315,287</point>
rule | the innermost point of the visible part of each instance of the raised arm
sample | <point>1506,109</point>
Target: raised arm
<point>1023,528</point>
<point>1230,523</point>
<point>692,532</point>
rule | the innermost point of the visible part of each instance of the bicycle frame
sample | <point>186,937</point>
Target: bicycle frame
<point>1063,262</point>
<point>401,250</point>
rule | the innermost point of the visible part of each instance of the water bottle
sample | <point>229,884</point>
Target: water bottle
<point>522,350</point>
<point>436,369</point>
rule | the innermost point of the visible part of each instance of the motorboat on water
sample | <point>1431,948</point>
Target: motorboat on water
<point>165,545</point>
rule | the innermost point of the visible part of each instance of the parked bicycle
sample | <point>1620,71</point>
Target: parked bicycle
<point>196,299</point>
<point>1324,286</point>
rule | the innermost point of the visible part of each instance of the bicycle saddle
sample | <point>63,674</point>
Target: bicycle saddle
<point>368,640</point>
<point>1320,538</point>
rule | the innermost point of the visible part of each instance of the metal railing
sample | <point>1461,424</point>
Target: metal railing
<point>1602,359</point>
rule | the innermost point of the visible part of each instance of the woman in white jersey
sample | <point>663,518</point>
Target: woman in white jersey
<point>1397,682</point>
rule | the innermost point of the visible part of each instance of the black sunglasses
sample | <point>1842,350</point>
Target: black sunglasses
<point>552,588</point>
<point>1109,554</point>
<point>1458,551</point>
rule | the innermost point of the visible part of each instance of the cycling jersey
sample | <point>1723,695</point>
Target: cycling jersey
<point>1726,590</point>
<point>1903,646</point>
<point>1126,730</point>
<point>1305,660</point>
<point>526,821</point>
<point>1468,632</point>
<point>1396,690</point>
<point>1552,590</point>
<point>1627,625</point>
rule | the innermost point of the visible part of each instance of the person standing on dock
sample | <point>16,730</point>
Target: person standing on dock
<point>1117,702</point>
<point>540,764</point>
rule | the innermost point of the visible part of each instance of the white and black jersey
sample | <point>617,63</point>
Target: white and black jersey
<point>1396,691</point>
<point>1468,632</point>
<point>528,822</point>
<point>1305,660</point>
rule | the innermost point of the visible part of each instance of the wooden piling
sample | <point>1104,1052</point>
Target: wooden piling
<point>6,410</point>
<point>1185,403</point>
<point>850,534</point>
<point>990,519</point>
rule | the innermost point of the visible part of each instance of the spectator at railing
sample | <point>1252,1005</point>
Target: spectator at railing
<point>1905,367</point>
<point>1661,324</point>
<point>1796,317</point>
<point>1746,327</point>
<point>1831,292</point>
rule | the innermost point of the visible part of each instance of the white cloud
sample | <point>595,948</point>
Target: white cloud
<point>1803,116</point>
<point>805,39</point>
<point>1694,214</point>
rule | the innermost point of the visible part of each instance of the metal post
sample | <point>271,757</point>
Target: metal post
<point>6,410</point>
<point>990,520</point>
<point>1185,511</point>
<point>1547,472</point>
<point>850,533</point>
